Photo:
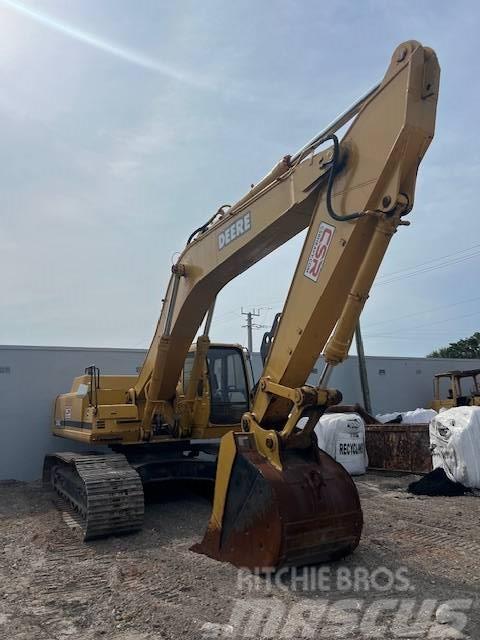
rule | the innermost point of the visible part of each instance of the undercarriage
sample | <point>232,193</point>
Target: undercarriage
<point>105,492</point>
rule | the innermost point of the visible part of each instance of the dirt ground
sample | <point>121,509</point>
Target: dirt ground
<point>416,574</point>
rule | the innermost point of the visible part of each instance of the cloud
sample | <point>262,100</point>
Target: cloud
<point>129,55</point>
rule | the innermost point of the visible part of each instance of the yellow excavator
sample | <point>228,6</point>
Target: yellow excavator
<point>278,499</point>
<point>457,395</point>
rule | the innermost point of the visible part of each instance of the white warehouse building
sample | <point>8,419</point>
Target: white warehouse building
<point>31,377</point>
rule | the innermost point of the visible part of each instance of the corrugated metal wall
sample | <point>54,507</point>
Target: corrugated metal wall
<point>31,377</point>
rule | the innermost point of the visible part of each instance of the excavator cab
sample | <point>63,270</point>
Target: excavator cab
<point>214,389</point>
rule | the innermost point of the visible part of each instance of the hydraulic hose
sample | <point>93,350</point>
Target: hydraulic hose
<point>331,178</point>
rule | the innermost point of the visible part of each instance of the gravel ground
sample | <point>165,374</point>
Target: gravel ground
<point>417,555</point>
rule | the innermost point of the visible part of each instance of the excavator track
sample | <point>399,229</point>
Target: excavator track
<point>104,491</point>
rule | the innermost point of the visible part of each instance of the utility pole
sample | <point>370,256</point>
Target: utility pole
<point>249,326</point>
<point>362,369</point>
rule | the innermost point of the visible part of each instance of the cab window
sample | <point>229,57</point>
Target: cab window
<point>228,385</point>
<point>187,370</point>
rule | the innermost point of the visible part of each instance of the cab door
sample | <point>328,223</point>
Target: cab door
<point>229,389</point>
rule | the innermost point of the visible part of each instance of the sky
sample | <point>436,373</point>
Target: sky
<point>125,125</point>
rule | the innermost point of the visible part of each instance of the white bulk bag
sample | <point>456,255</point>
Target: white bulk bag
<point>342,435</point>
<point>455,442</point>
<point>417,416</point>
<point>387,417</point>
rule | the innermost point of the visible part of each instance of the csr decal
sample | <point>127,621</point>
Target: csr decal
<point>319,251</point>
<point>235,230</point>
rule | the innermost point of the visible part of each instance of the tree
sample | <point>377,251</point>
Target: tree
<point>466,348</point>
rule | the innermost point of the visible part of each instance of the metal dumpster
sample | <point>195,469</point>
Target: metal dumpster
<point>393,447</point>
<point>399,447</point>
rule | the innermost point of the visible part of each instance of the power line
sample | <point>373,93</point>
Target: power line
<point>429,324</point>
<point>261,307</point>
<point>410,338</point>
<point>416,269</point>
<point>419,313</point>
<point>227,313</point>
<point>251,325</point>
<point>428,269</point>
<point>421,264</point>
<point>430,334</point>
<point>395,276</point>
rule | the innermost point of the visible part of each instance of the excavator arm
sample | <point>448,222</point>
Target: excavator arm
<point>278,498</point>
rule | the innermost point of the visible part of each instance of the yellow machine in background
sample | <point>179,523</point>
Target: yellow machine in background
<point>456,395</point>
<point>278,500</point>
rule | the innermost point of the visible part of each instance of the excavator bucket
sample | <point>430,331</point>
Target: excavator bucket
<point>265,518</point>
